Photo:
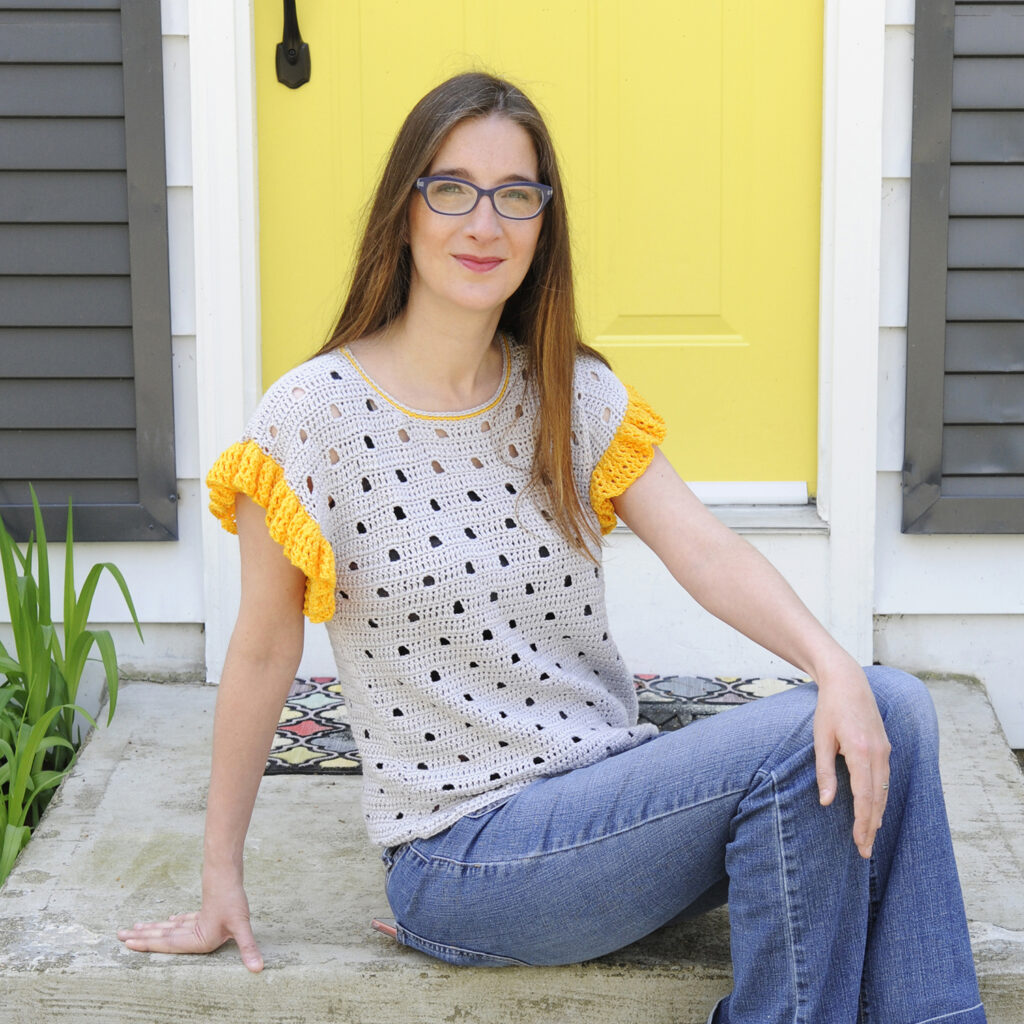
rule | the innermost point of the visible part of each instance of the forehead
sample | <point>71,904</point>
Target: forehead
<point>487,147</point>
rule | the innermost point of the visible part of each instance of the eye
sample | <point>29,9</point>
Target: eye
<point>450,188</point>
<point>519,200</point>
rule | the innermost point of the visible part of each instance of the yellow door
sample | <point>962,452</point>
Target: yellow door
<point>689,133</point>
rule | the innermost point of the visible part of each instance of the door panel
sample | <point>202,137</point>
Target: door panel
<point>689,134</point>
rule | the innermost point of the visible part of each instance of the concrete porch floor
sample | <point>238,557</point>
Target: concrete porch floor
<point>122,842</point>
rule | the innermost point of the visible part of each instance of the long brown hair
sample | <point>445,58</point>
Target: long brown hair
<point>541,314</point>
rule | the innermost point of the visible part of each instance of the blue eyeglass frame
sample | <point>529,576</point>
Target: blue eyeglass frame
<point>546,192</point>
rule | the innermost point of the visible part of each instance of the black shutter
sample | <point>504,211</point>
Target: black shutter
<point>964,461</point>
<point>85,341</point>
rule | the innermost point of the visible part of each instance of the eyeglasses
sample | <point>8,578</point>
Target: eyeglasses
<point>453,197</point>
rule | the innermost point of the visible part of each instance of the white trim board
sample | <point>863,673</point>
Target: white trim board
<point>227,272</point>
<point>750,492</point>
<point>851,174</point>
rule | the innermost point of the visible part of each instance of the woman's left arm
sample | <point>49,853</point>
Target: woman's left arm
<point>733,581</point>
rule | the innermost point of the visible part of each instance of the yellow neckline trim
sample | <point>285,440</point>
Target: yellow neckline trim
<point>419,414</point>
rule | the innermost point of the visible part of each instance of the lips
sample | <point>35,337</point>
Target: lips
<point>478,264</point>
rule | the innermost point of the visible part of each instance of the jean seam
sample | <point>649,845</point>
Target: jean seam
<point>439,859</point>
<point>784,886</point>
<point>955,1013</point>
<point>420,942</point>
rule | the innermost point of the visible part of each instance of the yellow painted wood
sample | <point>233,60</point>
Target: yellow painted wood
<point>689,132</point>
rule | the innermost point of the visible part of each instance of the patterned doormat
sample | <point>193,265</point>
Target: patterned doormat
<point>313,736</point>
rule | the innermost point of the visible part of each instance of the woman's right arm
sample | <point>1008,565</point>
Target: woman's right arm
<point>261,662</point>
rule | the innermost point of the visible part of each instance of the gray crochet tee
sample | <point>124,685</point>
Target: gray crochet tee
<point>471,640</point>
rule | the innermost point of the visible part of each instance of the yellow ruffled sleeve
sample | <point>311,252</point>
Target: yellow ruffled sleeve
<point>245,468</point>
<point>626,457</point>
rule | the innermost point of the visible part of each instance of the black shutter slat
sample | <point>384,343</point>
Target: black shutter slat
<point>57,492</point>
<point>78,351</point>
<point>60,36</point>
<point>62,143</point>
<point>67,454</point>
<point>985,295</point>
<point>986,190</point>
<point>983,242</point>
<point>83,197</point>
<point>64,5</point>
<point>28,90</point>
<point>985,348</point>
<point>64,249</point>
<point>983,486</point>
<point>988,30</point>
<point>65,302</point>
<point>988,83</point>
<point>987,137</point>
<point>107,403</point>
<point>983,449</point>
<point>984,398</point>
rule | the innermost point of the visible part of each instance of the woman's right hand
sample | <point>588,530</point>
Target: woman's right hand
<point>223,916</point>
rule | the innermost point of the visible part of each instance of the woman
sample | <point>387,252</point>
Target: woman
<point>433,484</point>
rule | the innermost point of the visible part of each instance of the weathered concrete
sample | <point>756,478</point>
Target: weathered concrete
<point>122,842</point>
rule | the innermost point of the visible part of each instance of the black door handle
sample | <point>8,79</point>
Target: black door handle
<point>293,66</point>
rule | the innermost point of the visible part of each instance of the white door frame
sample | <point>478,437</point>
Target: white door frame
<point>225,215</point>
<point>224,157</point>
<point>851,205</point>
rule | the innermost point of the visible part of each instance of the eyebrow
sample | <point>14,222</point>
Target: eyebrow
<point>461,172</point>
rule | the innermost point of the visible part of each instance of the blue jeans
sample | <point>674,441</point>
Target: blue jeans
<point>580,864</point>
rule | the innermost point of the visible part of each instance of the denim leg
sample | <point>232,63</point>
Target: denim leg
<point>918,964</point>
<point>580,864</point>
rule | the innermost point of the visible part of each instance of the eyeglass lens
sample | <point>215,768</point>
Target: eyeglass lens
<point>518,202</point>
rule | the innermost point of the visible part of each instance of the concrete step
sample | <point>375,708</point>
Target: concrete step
<point>122,841</point>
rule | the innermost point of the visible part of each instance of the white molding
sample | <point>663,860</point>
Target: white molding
<point>854,58</point>
<point>227,272</point>
<point>750,492</point>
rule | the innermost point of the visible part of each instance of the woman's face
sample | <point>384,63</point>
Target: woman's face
<point>474,261</point>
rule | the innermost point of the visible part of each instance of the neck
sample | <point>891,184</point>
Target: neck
<point>436,363</point>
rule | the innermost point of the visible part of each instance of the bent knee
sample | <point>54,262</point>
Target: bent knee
<point>904,702</point>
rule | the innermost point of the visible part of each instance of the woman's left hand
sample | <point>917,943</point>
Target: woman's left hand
<point>847,722</point>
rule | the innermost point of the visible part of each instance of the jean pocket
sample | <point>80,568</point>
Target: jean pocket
<point>483,812</point>
<point>390,855</point>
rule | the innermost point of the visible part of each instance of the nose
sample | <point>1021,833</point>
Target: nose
<point>483,221</point>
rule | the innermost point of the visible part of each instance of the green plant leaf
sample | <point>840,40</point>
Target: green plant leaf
<point>7,664</point>
<point>30,744</point>
<point>11,844</point>
<point>43,782</point>
<point>84,602</point>
<point>105,642</point>
<point>42,560</point>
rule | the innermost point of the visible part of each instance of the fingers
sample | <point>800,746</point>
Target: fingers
<point>864,814</point>
<point>177,934</point>
<point>825,768</point>
<point>251,956</point>
<point>869,781</point>
<point>183,933</point>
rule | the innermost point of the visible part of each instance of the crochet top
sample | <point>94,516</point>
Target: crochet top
<point>471,639</point>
